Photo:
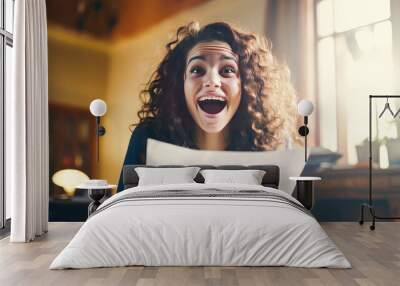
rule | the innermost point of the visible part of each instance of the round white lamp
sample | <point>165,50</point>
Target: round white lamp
<point>98,108</point>
<point>305,108</point>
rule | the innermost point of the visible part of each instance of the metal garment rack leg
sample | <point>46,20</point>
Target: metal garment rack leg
<point>370,205</point>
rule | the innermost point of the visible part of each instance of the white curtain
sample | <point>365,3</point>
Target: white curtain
<point>27,143</point>
<point>290,26</point>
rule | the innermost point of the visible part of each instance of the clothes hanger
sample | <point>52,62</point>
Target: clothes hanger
<point>397,113</point>
<point>387,107</point>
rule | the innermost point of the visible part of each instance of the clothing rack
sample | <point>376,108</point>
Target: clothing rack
<point>370,205</point>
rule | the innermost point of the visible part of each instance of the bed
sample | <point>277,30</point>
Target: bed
<point>201,224</point>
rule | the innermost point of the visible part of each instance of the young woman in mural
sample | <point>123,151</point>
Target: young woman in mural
<point>217,88</point>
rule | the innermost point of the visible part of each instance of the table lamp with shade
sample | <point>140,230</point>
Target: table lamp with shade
<point>305,108</point>
<point>68,179</point>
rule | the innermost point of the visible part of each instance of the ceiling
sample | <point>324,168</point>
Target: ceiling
<point>113,19</point>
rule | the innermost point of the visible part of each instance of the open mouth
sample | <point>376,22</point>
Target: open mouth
<point>212,105</point>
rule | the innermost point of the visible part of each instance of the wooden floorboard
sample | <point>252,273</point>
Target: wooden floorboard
<point>374,255</point>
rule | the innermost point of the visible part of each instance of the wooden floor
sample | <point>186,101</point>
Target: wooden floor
<point>374,255</point>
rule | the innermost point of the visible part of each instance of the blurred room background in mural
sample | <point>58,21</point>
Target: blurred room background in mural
<point>338,51</point>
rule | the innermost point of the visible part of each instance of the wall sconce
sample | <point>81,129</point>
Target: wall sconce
<point>98,108</point>
<point>305,108</point>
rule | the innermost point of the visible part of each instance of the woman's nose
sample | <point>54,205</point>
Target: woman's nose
<point>212,80</point>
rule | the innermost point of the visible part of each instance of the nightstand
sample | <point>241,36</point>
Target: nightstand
<point>305,190</point>
<point>96,194</point>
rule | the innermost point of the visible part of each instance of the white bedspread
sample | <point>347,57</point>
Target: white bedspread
<point>180,231</point>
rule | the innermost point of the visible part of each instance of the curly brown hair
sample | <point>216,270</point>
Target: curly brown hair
<point>267,111</point>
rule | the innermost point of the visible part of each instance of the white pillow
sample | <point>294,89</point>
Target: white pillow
<point>290,162</point>
<point>162,176</point>
<point>248,177</point>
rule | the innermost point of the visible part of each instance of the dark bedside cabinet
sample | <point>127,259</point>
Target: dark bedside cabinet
<point>305,190</point>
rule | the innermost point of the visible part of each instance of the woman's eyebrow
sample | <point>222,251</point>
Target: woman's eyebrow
<point>223,57</point>
<point>197,58</point>
<point>203,58</point>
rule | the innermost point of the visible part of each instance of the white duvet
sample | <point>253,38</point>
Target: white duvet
<point>183,231</point>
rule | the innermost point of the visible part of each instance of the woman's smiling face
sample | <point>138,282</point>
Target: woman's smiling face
<point>212,85</point>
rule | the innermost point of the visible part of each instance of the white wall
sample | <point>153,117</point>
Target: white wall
<point>133,60</point>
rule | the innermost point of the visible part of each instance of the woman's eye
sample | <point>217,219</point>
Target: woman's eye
<point>196,70</point>
<point>228,70</point>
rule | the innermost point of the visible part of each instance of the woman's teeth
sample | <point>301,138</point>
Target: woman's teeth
<point>220,98</point>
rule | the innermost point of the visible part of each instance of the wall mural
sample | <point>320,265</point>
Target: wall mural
<point>227,83</point>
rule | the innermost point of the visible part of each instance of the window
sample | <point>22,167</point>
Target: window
<point>355,59</point>
<point>6,44</point>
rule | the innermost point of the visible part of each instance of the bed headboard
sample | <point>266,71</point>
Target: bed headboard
<point>271,178</point>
